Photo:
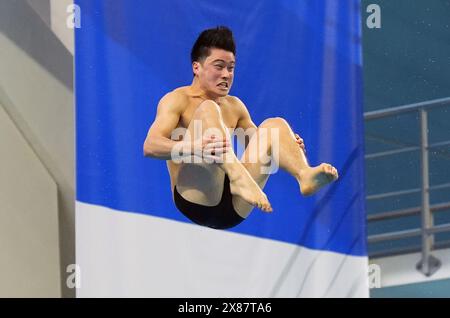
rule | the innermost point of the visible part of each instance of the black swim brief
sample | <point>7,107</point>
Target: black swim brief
<point>221,216</point>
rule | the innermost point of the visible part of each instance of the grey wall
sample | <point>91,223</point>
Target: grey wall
<point>29,244</point>
<point>36,101</point>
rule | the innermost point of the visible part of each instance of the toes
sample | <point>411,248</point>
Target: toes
<point>336,175</point>
<point>326,167</point>
<point>330,169</point>
<point>264,204</point>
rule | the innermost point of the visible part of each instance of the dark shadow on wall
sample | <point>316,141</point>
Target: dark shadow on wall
<point>42,8</point>
<point>22,25</point>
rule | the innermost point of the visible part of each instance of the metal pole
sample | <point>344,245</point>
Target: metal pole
<point>428,264</point>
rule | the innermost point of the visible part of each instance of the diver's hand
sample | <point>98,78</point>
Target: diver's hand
<point>211,148</point>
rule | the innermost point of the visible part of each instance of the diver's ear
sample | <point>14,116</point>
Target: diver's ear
<point>195,67</point>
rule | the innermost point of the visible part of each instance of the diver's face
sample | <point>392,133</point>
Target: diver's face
<point>216,72</point>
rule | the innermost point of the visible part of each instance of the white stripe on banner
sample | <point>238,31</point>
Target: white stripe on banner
<point>122,254</point>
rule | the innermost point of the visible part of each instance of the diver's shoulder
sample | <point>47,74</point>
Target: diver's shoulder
<point>182,90</point>
<point>176,97</point>
<point>235,101</point>
<point>178,92</point>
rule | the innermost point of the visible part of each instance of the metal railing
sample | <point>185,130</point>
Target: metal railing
<point>428,264</point>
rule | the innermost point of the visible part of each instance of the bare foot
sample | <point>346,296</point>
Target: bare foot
<point>313,179</point>
<point>245,187</point>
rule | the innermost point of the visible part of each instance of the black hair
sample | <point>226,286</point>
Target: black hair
<point>219,37</point>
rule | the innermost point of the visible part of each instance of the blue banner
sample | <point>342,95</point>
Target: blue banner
<point>300,60</point>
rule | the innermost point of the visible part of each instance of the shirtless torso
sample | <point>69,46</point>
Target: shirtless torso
<point>207,101</point>
<point>208,178</point>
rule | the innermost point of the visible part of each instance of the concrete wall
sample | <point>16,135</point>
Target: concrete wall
<point>54,14</point>
<point>58,23</point>
<point>37,147</point>
<point>29,244</point>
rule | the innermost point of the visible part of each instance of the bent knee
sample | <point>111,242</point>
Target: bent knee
<point>274,122</point>
<point>208,108</point>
